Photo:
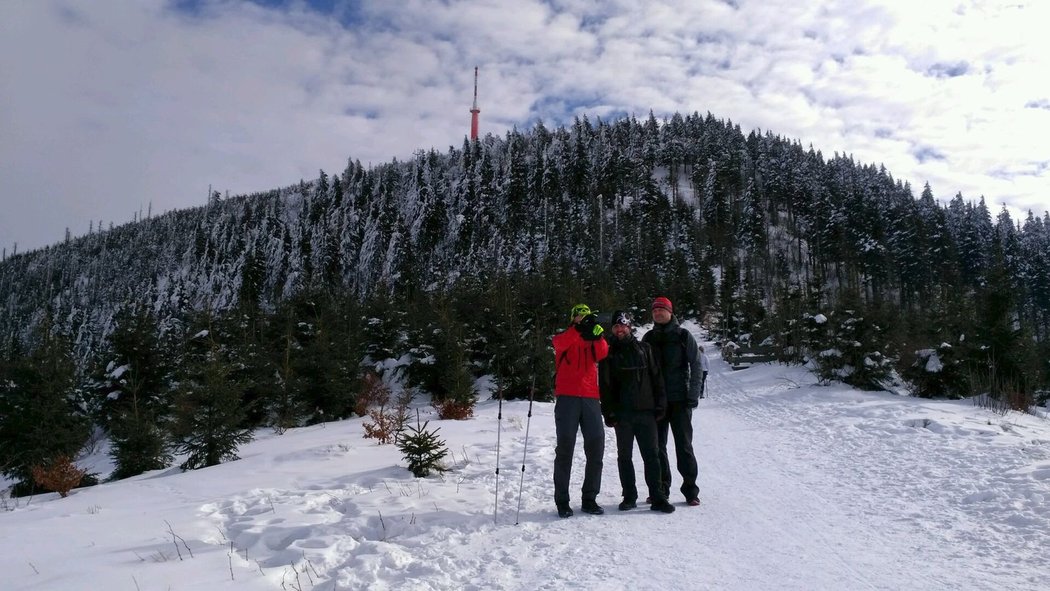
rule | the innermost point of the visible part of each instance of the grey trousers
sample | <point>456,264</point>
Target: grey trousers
<point>572,414</point>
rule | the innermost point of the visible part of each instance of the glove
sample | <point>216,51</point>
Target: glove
<point>692,403</point>
<point>610,420</point>
<point>589,328</point>
<point>659,414</point>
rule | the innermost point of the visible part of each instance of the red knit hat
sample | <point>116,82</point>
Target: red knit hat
<point>662,302</point>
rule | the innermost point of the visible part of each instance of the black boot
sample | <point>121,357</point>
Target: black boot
<point>564,511</point>
<point>627,505</point>
<point>662,506</point>
<point>592,507</point>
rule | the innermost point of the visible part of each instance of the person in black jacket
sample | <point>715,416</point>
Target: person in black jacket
<point>680,364</point>
<point>632,399</point>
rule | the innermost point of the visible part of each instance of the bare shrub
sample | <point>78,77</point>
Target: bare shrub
<point>381,428</point>
<point>386,422</point>
<point>60,475</point>
<point>1000,396</point>
<point>454,409</point>
<point>373,392</point>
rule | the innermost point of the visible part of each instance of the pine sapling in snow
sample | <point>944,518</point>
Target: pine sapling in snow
<point>422,449</point>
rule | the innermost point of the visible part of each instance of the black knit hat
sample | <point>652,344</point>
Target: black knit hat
<point>622,317</point>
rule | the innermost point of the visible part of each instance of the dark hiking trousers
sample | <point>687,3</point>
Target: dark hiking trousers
<point>679,420</point>
<point>640,426</point>
<point>572,414</point>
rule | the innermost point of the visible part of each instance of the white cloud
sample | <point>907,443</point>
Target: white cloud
<point>111,106</point>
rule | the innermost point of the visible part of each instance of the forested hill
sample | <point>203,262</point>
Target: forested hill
<point>753,232</point>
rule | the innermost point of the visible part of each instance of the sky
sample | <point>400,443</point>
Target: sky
<point>802,486</point>
<point>108,109</point>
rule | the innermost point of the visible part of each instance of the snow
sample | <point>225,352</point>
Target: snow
<point>802,487</point>
<point>119,372</point>
<point>933,363</point>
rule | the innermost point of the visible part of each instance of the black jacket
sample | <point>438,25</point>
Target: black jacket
<point>679,357</point>
<point>629,379</point>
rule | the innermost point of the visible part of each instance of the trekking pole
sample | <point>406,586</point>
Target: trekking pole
<point>499,428</point>
<point>532,390</point>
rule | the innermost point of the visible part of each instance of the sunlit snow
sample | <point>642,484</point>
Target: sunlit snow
<point>803,487</point>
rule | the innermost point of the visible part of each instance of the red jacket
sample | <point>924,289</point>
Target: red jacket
<point>576,364</point>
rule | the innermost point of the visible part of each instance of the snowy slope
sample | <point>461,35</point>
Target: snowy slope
<point>802,487</point>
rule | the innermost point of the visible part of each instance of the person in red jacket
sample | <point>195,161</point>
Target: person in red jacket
<point>577,351</point>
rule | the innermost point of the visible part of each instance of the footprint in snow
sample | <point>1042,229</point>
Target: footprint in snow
<point>979,497</point>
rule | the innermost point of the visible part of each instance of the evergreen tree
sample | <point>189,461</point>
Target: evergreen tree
<point>138,445</point>
<point>457,395</point>
<point>1003,353</point>
<point>854,349</point>
<point>609,212</point>
<point>131,379</point>
<point>281,400</point>
<point>323,373</point>
<point>209,412</point>
<point>131,389</point>
<point>938,373</point>
<point>422,449</point>
<point>39,420</point>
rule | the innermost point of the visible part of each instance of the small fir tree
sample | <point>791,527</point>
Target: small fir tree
<point>853,352</point>
<point>422,449</point>
<point>938,373</point>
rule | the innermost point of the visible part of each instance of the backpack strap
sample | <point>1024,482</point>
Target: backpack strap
<point>683,340</point>
<point>565,354</point>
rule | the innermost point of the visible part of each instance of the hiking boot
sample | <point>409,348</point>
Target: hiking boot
<point>592,507</point>
<point>564,511</point>
<point>662,507</point>
<point>627,505</point>
<point>693,502</point>
<point>648,500</point>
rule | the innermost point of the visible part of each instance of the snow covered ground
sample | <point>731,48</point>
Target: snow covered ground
<point>802,487</point>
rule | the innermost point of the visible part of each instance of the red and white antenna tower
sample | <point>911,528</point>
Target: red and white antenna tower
<point>474,110</point>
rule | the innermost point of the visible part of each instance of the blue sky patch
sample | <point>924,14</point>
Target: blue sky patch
<point>927,153</point>
<point>347,12</point>
<point>940,70</point>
